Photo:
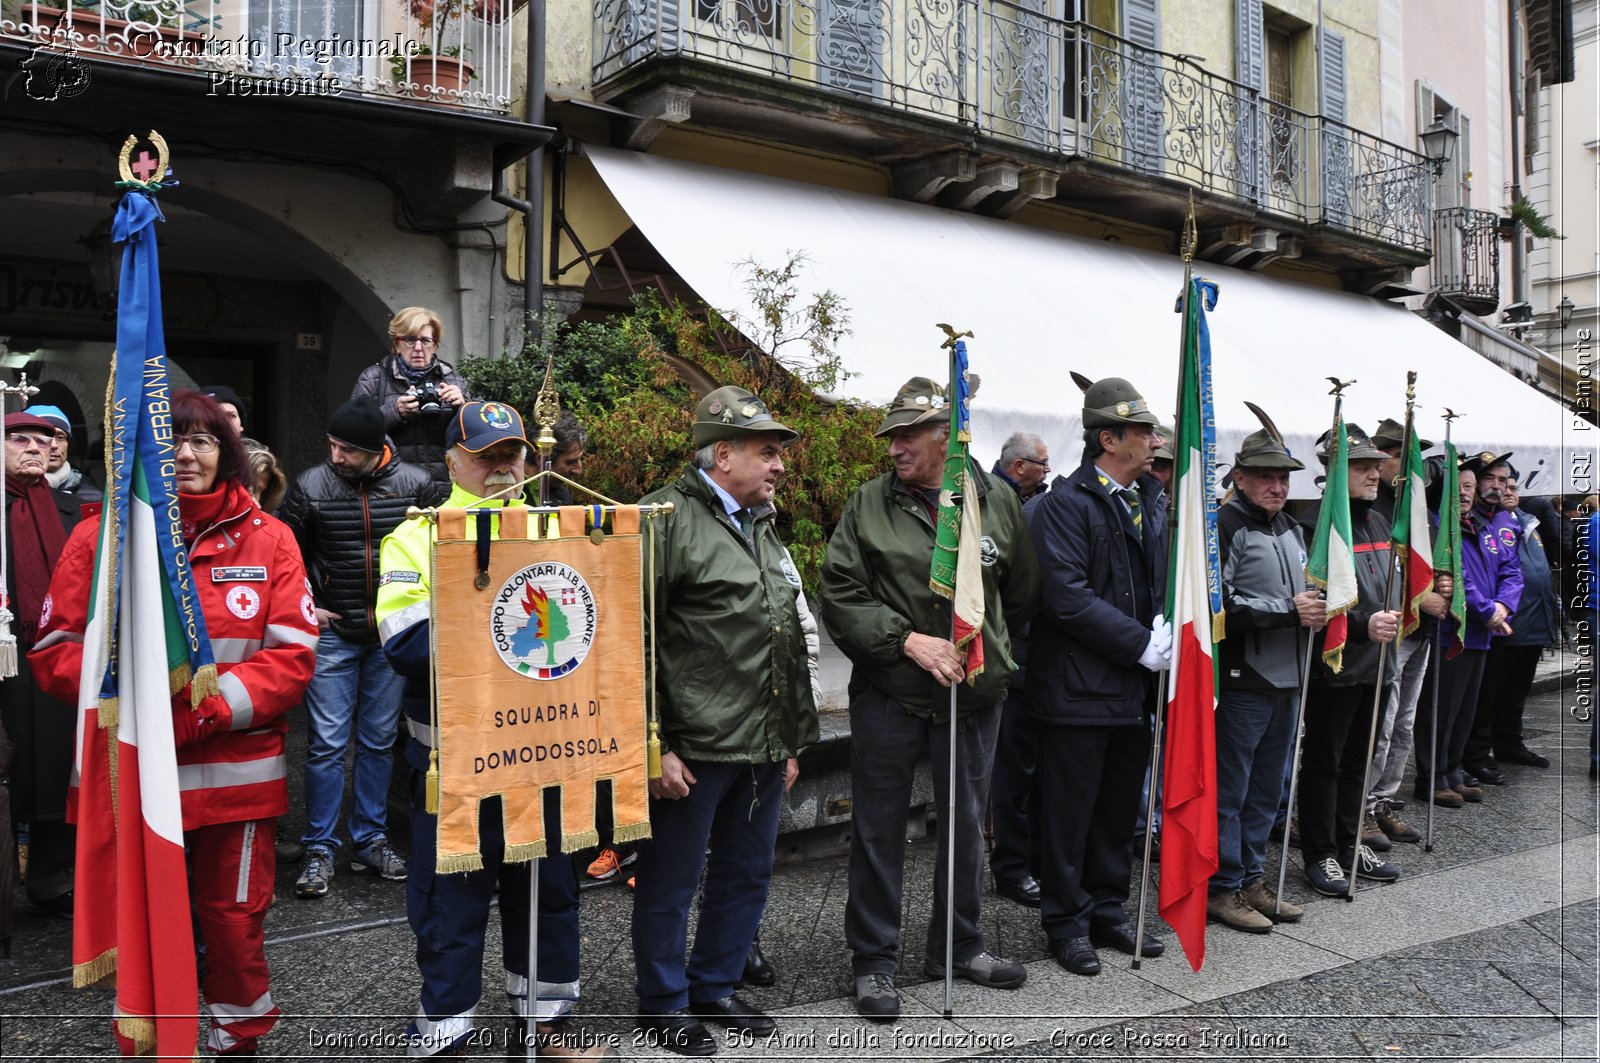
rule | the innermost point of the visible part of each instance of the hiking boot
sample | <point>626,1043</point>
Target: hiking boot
<point>1264,899</point>
<point>1397,829</point>
<point>1522,755</point>
<point>316,871</point>
<point>876,998</point>
<point>1231,909</point>
<point>1370,866</point>
<point>985,969</point>
<point>1327,877</point>
<point>1372,835</point>
<point>378,858</point>
<point>1471,794</point>
<point>609,864</point>
<point>1443,797</point>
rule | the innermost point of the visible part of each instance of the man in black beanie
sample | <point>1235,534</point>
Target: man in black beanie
<point>340,511</point>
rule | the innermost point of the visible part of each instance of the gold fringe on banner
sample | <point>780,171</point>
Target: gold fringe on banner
<point>579,840</point>
<point>449,865</point>
<point>205,684</point>
<point>522,852</point>
<point>110,709</point>
<point>1219,626</point>
<point>141,1031</point>
<point>631,832</point>
<point>178,678</point>
<point>95,971</point>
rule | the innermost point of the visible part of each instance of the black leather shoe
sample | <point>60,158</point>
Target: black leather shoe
<point>757,971</point>
<point>1524,756</point>
<point>1120,937</point>
<point>677,1031</point>
<point>1487,773</point>
<point>733,1013</point>
<point>1076,955</point>
<point>1025,890</point>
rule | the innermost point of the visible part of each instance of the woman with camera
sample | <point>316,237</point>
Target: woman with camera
<point>416,390</point>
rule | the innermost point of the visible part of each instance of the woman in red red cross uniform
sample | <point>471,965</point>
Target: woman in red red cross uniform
<point>231,770</point>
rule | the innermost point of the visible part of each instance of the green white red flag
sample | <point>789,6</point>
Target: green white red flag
<point>1194,608</point>
<point>957,572</point>
<point>1411,539</point>
<point>1333,560</point>
<point>1447,547</point>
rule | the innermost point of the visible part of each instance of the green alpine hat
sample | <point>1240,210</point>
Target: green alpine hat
<point>1261,451</point>
<point>1164,451</point>
<point>1112,402</point>
<point>919,400</point>
<point>1391,433</point>
<point>732,413</point>
<point>1361,448</point>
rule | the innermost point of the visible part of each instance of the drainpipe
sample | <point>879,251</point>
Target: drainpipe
<point>1514,67</point>
<point>531,208</point>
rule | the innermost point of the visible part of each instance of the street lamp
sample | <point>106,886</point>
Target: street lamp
<point>1564,312</point>
<point>1438,144</point>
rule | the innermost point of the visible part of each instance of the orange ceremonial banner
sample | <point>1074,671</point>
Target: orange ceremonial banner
<point>540,681</point>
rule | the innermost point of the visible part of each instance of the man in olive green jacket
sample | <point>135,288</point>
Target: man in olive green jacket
<point>735,702</point>
<point>880,610</point>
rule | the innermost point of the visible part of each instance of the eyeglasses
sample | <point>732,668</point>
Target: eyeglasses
<point>199,442</point>
<point>1045,465</point>
<point>412,341</point>
<point>23,439</point>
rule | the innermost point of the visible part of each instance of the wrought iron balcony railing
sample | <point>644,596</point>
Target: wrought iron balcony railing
<point>1009,71</point>
<point>1466,258</point>
<point>447,52</point>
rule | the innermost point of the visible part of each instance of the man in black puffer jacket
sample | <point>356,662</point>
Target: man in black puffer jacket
<point>340,511</point>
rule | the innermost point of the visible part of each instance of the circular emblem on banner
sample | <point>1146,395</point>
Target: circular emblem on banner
<point>243,602</point>
<point>988,552</point>
<point>495,415</point>
<point>45,609</point>
<point>543,620</point>
<point>308,609</point>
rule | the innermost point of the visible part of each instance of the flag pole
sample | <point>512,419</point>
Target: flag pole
<point>1305,677</point>
<point>1438,648</point>
<point>1188,243</point>
<point>1383,651</point>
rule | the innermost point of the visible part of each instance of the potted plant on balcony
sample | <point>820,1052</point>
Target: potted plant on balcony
<point>435,68</point>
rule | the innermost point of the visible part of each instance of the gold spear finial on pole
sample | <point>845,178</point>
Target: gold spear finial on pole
<point>1191,233</point>
<point>546,411</point>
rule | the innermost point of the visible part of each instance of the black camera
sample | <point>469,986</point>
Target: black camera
<point>427,396</point>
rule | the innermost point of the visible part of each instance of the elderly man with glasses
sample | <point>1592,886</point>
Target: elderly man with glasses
<point>38,520</point>
<point>416,389</point>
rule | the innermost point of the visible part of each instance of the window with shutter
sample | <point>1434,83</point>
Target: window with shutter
<point>1250,70</point>
<point>1144,108</point>
<point>1530,119</point>
<point>1334,88</point>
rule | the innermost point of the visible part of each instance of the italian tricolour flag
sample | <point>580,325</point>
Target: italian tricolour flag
<point>1194,607</point>
<point>144,642</point>
<point>957,570</point>
<point>1333,560</point>
<point>1410,538</point>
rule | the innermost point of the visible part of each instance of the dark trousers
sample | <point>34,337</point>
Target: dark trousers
<point>1089,782</point>
<point>1254,737</point>
<point>1442,739</point>
<point>1333,768</point>
<point>1013,798</point>
<point>1507,677</point>
<point>450,913</point>
<point>733,810</point>
<point>886,742</point>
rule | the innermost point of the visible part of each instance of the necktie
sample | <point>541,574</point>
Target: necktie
<point>1130,495</point>
<point>747,524</point>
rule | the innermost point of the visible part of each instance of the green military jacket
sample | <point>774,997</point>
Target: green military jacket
<point>734,678</point>
<point>875,592</point>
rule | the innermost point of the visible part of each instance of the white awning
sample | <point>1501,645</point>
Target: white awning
<point>1040,303</point>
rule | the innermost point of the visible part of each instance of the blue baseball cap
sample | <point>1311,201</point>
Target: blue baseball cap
<point>478,426</point>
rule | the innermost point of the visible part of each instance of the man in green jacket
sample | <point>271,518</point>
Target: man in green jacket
<point>735,702</point>
<point>880,610</point>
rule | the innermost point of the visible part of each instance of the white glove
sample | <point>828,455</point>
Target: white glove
<point>1157,656</point>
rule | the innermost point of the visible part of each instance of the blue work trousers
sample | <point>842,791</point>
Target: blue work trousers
<point>1255,729</point>
<point>732,811</point>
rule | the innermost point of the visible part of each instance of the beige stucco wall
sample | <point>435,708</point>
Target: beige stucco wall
<point>1565,184</point>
